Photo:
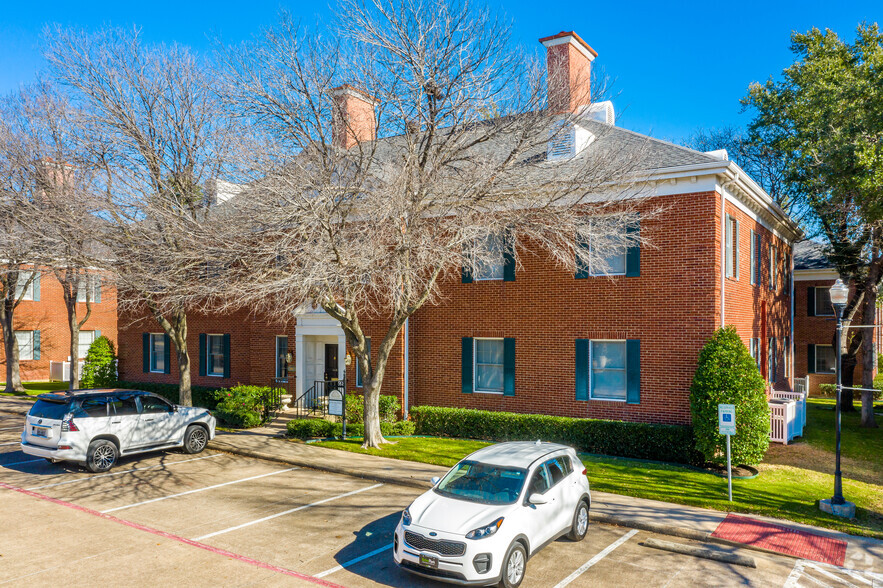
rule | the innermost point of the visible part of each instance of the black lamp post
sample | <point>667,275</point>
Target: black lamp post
<point>838,505</point>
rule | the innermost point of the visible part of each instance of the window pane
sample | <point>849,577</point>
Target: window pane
<point>540,482</point>
<point>492,267</point>
<point>489,378</point>
<point>556,470</point>
<point>608,354</point>
<point>282,361</point>
<point>823,302</point>
<point>158,353</point>
<point>124,405</point>
<point>151,404</point>
<point>95,407</point>
<point>216,354</point>
<point>20,292</point>
<point>25,341</point>
<point>85,341</point>
<point>614,258</point>
<point>489,351</point>
<point>825,361</point>
<point>608,384</point>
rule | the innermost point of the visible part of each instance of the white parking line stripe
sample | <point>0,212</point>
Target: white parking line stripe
<point>9,428</point>
<point>353,561</point>
<point>795,575</point>
<point>13,443</point>
<point>280,514</point>
<point>857,574</point>
<point>580,570</point>
<point>6,465</point>
<point>162,465</point>
<point>196,490</point>
<point>832,576</point>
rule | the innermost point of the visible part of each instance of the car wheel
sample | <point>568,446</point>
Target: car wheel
<point>514,566</point>
<point>101,456</point>
<point>195,439</point>
<point>580,522</point>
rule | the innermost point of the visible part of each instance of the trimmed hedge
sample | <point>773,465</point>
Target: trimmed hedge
<point>668,443</point>
<point>202,396</point>
<point>322,429</point>
<point>388,407</point>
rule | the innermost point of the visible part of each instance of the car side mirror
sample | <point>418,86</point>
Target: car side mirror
<point>174,408</point>
<point>538,499</point>
<point>435,480</point>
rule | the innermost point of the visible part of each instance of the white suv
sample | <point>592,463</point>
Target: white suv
<point>95,427</point>
<point>492,511</point>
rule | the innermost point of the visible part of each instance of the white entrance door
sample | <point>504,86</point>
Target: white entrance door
<point>314,363</point>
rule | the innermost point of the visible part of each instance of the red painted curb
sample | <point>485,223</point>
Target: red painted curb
<point>191,542</point>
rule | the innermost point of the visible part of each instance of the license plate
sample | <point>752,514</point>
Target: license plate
<point>428,561</point>
<point>44,432</point>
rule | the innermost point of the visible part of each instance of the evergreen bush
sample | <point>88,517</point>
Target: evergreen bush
<point>727,374</point>
<point>100,366</point>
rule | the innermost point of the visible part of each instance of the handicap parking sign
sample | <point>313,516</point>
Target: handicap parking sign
<point>726,419</point>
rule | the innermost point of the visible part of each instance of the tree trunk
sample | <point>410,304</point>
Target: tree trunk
<point>179,336</point>
<point>10,346</point>
<point>74,326</point>
<point>869,359</point>
<point>371,414</point>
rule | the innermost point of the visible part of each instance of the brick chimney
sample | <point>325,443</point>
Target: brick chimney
<point>569,65</point>
<point>354,120</point>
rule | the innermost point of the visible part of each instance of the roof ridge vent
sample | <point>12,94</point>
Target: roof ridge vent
<point>567,140</point>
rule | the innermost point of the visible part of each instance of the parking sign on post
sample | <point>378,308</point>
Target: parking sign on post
<point>726,425</point>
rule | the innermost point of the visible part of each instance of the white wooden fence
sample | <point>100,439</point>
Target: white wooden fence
<point>787,415</point>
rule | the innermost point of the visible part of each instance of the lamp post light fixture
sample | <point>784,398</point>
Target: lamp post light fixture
<point>838,505</point>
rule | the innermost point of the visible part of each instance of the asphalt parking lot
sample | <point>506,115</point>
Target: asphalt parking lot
<point>215,519</point>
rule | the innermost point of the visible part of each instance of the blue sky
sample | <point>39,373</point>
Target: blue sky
<point>678,65</point>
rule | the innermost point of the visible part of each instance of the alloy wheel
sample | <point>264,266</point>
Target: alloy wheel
<point>582,520</point>
<point>515,567</point>
<point>197,440</point>
<point>104,457</point>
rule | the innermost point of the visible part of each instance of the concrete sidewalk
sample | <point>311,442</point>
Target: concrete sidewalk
<point>626,511</point>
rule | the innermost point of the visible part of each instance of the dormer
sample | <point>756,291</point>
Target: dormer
<point>567,140</point>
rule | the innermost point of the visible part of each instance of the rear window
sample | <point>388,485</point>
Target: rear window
<point>44,409</point>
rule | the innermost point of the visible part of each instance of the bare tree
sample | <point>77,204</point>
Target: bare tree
<point>413,144</point>
<point>159,133</point>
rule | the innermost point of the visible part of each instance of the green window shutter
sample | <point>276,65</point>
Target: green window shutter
<point>509,366</point>
<point>227,355</point>
<point>736,252</point>
<point>145,352</point>
<point>810,359</point>
<point>633,254</point>
<point>36,284</point>
<point>466,275</point>
<point>167,349</point>
<point>203,356</point>
<point>810,301</point>
<point>509,263</point>
<point>582,268</point>
<point>467,366</point>
<point>752,260</point>
<point>36,345</point>
<point>582,369</point>
<point>633,371</point>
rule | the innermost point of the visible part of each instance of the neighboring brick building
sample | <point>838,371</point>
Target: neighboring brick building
<point>814,320</point>
<point>42,330</point>
<point>541,340</point>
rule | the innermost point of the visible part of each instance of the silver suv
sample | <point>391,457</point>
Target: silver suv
<point>95,427</point>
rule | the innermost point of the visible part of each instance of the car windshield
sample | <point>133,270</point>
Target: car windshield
<point>45,409</point>
<point>481,482</point>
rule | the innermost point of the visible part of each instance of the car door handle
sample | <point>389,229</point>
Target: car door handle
<point>148,420</point>
<point>115,422</point>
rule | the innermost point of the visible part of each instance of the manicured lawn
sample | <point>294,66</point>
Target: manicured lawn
<point>856,442</point>
<point>35,388</point>
<point>779,491</point>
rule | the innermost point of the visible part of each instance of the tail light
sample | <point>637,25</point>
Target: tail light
<point>68,424</point>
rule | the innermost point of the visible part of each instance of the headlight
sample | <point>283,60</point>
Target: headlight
<point>406,517</point>
<point>482,532</point>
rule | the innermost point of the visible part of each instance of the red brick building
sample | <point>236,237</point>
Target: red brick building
<point>623,345</point>
<point>41,326</point>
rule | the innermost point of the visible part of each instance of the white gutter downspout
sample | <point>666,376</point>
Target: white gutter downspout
<point>405,408</point>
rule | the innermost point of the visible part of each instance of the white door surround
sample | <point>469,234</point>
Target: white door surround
<point>313,331</point>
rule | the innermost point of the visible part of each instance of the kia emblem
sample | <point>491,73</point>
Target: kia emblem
<point>40,422</point>
<point>432,533</point>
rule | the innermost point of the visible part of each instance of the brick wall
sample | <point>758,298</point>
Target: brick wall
<point>49,316</point>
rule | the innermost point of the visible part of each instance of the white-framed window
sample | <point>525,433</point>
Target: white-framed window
<point>826,362</point>
<point>85,341</point>
<point>90,285</point>
<point>608,370</point>
<point>732,248</point>
<point>492,265</point>
<point>774,266</point>
<point>823,302</point>
<point>158,353</point>
<point>488,365</point>
<point>359,366</point>
<point>613,263</point>
<point>281,356</point>
<point>215,355</point>
<point>22,292</point>
<point>25,340</point>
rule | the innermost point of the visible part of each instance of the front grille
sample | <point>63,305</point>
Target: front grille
<point>440,546</point>
<point>432,571</point>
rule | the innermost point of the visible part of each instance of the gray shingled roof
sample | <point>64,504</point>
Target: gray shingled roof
<point>810,255</point>
<point>657,153</point>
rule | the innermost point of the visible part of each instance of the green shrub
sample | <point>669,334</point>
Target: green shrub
<point>828,390</point>
<point>322,429</point>
<point>727,374</point>
<point>355,405</point>
<point>639,440</point>
<point>879,362</point>
<point>202,395</point>
<point>100,366</point>
<point>241,406</point>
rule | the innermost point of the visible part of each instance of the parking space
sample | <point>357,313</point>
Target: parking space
<point>271,517</point>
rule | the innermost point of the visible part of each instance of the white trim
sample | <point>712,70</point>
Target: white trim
<point>816,357</point>
<point>276,347</point>
<point>208,354</point>
<point>815,274</point>
<point>570,40</point>
<point>151,352</point>
<point>475,365</point>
